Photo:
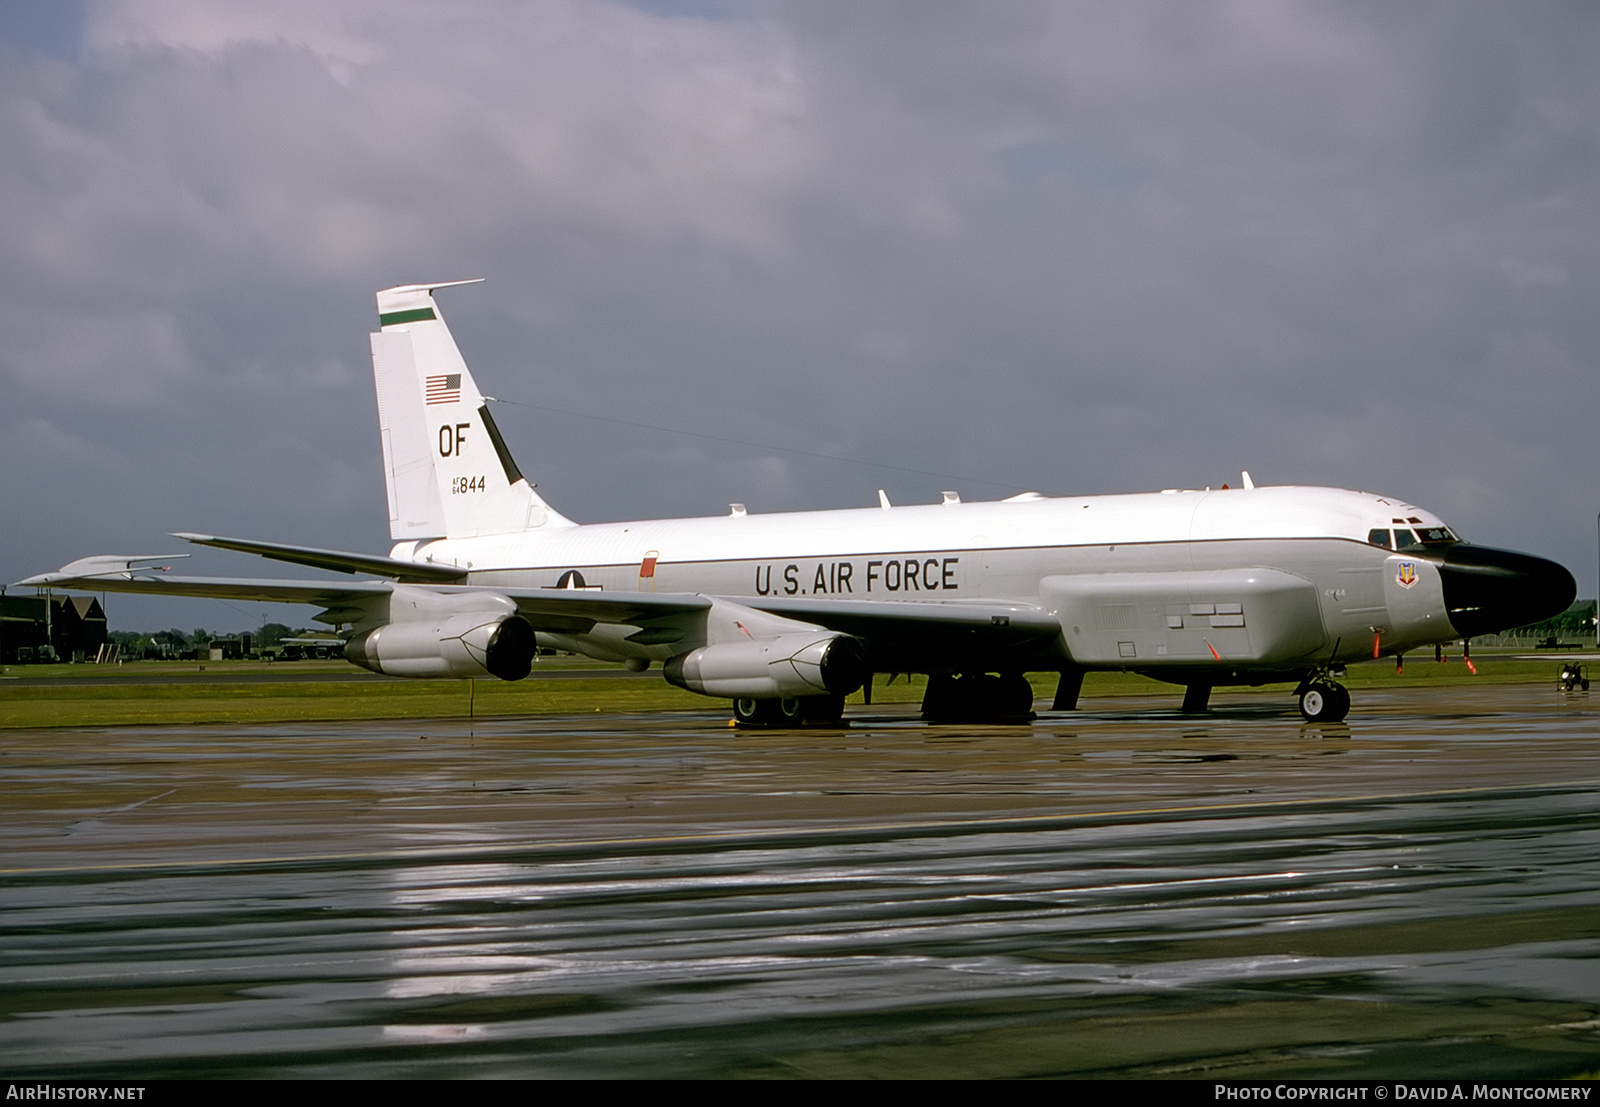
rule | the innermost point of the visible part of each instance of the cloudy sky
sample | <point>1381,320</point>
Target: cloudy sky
<point>789,253</point>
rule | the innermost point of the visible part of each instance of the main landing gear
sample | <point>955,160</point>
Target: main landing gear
<point>1323,700</point>
<point>978,698</point>
<point>754,714</point>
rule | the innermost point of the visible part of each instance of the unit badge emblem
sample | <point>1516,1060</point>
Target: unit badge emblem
<point>1406,574</point>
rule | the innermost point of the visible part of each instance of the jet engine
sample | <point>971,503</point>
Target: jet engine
<point>814,663</point>
<point>436,638</point>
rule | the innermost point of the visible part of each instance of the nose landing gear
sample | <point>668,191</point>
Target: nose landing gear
<point>1323,700</point>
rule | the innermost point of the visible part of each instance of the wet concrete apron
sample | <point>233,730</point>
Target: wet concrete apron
<point>1120,891</point>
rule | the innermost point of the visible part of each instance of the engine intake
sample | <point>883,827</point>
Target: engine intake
<point>806,664</point>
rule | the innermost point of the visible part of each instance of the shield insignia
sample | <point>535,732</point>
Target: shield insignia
<point>1405,574</point>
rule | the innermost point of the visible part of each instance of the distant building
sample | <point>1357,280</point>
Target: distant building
<point>310,647</point>
<point>234,647</point>
<point>164,645</point>
<point>74,627</point>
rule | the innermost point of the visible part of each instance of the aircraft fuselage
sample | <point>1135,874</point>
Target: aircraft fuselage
<point>1242,584</point>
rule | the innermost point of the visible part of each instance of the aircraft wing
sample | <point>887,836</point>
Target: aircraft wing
<point>337,560</point>
<point>553,609</point>
<point>326,593</point>
<point>897,633</point>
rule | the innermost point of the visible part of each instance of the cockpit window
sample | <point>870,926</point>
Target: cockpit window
<point>1405,538</point>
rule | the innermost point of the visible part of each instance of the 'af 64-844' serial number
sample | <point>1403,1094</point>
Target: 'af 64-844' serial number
<point>460,485</point>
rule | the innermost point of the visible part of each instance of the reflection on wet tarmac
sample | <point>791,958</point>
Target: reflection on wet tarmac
<point>1112,893</point>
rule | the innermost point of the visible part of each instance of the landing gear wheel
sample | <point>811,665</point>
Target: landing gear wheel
<point>978,698</point>
<point>754,714</point>
<point>1017,697</point>
<point>1324,702</point>
<point>821,710</point>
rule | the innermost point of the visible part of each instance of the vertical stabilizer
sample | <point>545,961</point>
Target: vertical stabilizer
<point>448,471</point>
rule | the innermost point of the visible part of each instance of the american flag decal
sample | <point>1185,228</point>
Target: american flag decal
<point>443,389</point>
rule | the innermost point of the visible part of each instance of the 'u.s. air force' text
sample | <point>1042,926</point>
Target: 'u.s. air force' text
<point>831,578</point>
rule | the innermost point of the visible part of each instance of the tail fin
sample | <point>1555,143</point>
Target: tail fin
<point>448,471</point>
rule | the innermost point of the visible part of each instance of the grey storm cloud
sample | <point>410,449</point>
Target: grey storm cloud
<point>1076,247</point>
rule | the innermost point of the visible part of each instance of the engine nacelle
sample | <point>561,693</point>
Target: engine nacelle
<point>469,644</point>
<point>816,663</point>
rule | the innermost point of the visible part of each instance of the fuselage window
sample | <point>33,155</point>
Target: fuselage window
<point>1403,538</point>
<point>1435,536</point>
<point>1379,538</point>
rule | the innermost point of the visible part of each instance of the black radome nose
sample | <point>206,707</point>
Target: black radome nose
<point>1488,590</point>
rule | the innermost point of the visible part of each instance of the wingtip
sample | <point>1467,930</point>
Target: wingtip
<point>83,572</point>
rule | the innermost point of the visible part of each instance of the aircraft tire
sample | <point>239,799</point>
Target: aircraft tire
<point>753,714</point>
<point>978,698</point>
<point>1324,702</point>
<point>940,700</point>
<point>821,710</point>
<point>1016,696</point>
<point>750,713</point>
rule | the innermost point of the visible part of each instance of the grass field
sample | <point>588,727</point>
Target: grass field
<point>254,692</point>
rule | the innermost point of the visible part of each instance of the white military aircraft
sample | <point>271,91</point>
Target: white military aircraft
<point>786,614</point>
